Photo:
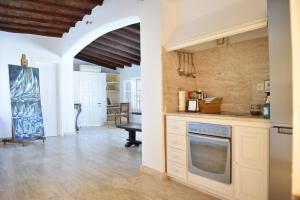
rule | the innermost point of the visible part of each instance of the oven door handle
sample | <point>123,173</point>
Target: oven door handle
<point>209,137</point>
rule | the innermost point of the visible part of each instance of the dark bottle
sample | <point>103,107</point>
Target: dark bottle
<point>267,107</point>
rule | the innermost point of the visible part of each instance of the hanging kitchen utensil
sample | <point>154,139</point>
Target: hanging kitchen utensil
<point>192,74</point>
<point>189,65</point>
<point>193,67</point>
<point>179,70</point>
<point>183,64</point>
<point>186,68</point>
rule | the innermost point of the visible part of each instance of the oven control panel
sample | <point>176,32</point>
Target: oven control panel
<point>217,130</point>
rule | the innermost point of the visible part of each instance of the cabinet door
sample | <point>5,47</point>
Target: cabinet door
<point>251,158</point>
<point>176,127</point>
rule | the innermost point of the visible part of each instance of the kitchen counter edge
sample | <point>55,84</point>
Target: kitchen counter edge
<point>231,119</point>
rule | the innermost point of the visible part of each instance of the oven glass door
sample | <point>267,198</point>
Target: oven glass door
<point>210,157</point>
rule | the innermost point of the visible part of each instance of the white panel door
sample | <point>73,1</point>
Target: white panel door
<point>92,96</point>
<point>251,156</point>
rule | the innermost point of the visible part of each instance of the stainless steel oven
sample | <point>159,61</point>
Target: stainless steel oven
<point>210,151</point>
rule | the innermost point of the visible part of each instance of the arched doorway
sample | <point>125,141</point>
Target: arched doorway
<point>117,14</point>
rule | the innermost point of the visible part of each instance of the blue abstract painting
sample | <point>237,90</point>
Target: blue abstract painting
<point>26,106</point>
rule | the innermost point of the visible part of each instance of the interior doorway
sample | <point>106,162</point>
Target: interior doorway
<point>90,92</point>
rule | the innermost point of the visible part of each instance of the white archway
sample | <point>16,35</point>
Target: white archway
<point>66,68</point>
<point>112,15</point>
<point>98,32</point>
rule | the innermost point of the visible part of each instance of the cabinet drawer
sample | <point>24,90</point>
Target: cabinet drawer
<point>176,155</point>
<point>176,141</point>
<point>175,170</point>
<point>176,127</point>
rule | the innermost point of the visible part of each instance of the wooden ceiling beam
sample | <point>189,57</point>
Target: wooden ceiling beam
<point>132,30</point>
<point>115,45</point>
<point>111,55</point>
<point>36,20</point>
<point>35,25</point>
<point>135,38</point>
<point>34,28</point>
<point>6,19</point>
<point>121,49</point>
<point>29,31</point>
<point>43,17</point>
<point>115,52</point>
<point>44,13</point>
<point>91,58</point>
<point>7,11</point>
<point>100,56</point>
<point>86,4</point>
<point>34,6</point>
<point>60,6</point>
<point>122,41</point>
<point>135,26</point>
<point>86,59</point>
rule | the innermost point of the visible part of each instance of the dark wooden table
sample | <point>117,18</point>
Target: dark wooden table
<point>131,128</point>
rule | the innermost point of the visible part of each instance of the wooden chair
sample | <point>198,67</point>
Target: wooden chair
<point>123,112</point>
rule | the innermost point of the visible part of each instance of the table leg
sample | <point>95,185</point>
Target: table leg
<point>132,139</point>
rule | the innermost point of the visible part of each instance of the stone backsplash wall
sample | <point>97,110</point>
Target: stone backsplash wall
<point>172,82</point>
<point>231,72</point>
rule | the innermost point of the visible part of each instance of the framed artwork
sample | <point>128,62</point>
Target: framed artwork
<point>27,118</point>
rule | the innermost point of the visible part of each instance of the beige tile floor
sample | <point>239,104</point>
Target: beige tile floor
<point>93,165</point>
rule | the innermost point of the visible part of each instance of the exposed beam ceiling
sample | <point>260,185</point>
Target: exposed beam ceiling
<point>118,48</point>
<point>43,17</point>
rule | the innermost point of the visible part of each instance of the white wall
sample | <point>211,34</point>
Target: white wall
<point>125,74</point>
<point>191,10</point>
<point>169,19</point>
<point>35,47</point>
<point>48,85</point>
<point>202,20</point>
<point>295,30</point>
<point>65,94</point>
<point>112,15</point>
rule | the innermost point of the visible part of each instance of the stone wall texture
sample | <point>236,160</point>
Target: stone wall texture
<point>231,72</point>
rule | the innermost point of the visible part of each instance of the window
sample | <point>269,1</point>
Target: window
<point>133,93</point>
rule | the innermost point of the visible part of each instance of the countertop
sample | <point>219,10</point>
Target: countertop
<point>223,115</point>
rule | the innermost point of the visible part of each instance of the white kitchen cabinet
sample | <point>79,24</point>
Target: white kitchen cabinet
<point>176,170</point>
<point>177,127</point>
<point>251,160</point>
<point>176,149</point>
<point>250,156</point>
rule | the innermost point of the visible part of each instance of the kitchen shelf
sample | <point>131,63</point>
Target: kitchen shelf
<point>113,93</point>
